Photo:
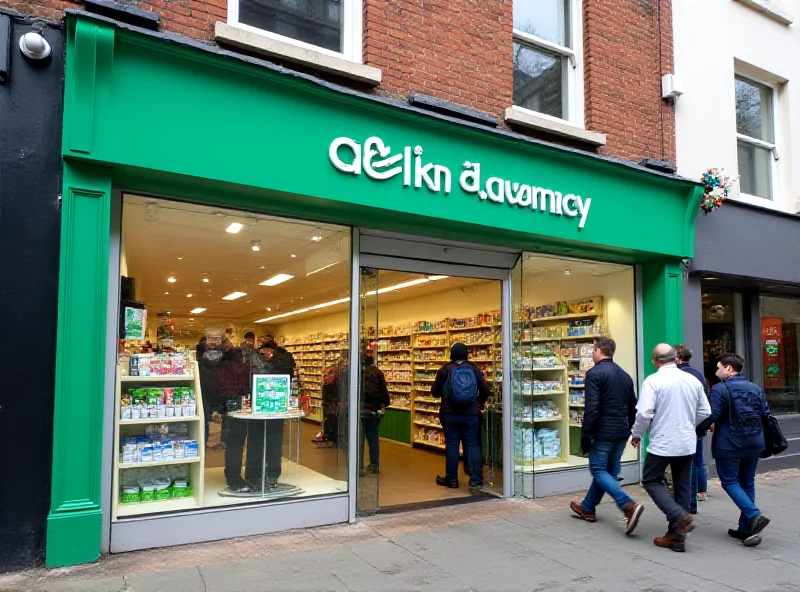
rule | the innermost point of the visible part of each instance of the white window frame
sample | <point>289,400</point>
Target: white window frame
<point>572,67</point>
<point>776,202</point>
<point>352,31</point>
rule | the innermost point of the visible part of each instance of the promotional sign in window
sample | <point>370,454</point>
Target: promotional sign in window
<point>271,393</point>
<point>135,323</point>
<point>772,339</point>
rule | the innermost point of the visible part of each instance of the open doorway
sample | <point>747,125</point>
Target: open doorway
<point>408,323</point>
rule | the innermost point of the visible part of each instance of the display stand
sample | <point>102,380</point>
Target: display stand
<point>269,490</point>
<point>134,427</point>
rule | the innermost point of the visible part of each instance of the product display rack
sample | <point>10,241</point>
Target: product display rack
<point>553,346</point>
<point>134,427</point>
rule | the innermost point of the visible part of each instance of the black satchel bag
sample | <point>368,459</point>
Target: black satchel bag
<point>774,440</point>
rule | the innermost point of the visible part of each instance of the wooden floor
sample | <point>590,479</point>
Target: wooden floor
<point>407,475</point>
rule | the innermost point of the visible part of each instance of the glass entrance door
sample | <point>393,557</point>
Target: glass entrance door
<point>369,415</point>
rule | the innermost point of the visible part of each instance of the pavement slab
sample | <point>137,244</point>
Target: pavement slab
<point>496,546</point>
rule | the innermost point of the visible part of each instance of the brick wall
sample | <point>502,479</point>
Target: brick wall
<point>461,51</point>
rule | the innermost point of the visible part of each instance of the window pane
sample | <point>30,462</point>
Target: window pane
<point>547,19</point>
<point>780,331</point>
<point>755,170</point>
<point>317,22</point>
<point>754,110</point>
<point>538,81</point>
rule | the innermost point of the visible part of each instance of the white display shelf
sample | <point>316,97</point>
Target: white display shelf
<point>428,425</point>
<point>575,425</point>
<point>539,419</point>
<point>543,394</point>
<point>150,420</point>
<point>399,408</point>
<point>418,410</point>
<point>171,505</point>
<point>577,405</point>
<point>431,444</point>
<point>577,386</point>
<point>162,378</point>
<point>160,463</point>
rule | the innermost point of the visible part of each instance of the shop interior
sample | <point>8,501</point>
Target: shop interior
<point>202,284</point>
<point>719,330</point>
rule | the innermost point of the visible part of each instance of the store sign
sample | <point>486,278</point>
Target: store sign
<point>377,162</point>
<point>271,393</point>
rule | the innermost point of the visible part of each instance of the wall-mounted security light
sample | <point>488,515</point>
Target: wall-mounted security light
<point>34,46</point>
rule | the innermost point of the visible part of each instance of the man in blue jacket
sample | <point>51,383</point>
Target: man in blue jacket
<point>737,406</point>
<point>607,419</point>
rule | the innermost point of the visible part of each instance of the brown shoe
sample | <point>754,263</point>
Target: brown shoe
<point>685,524</point>
<point>671,541</point>
<point>576,507</point>
<point>633,512</point>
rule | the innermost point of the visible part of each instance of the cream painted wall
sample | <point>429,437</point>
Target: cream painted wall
<point>714,38</point>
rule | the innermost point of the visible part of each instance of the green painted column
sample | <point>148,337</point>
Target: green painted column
<point>74,525</point>
<point>662,314</point>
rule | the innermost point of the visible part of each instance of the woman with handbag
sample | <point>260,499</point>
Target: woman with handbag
<point>738,409</point>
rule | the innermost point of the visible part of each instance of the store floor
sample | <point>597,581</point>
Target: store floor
<point>408,475</point>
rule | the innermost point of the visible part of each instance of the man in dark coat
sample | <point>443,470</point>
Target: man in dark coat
<point>607,420</point>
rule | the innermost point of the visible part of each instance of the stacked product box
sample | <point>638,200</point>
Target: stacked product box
<point>152,485</point>
<point>159,365</point>
<point>153,403</point>
<point>159,443</point>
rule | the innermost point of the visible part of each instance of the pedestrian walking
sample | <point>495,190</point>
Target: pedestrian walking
<point>737,409</point>
<point>698,478</point>
<point>609,413</point>
<point>463,390</point>
<point>672,403</point>
<point>374,400</point>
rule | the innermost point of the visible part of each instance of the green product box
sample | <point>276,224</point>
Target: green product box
<point>130,497</point>
<point>148,495</point>
<point>163,494</point>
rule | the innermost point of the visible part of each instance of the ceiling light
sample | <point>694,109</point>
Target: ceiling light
<point>711,278</point>
<point>180,258</point>
<point>269,309</point>
<point>436,278</point>
<point>292,256</point>
<point>171,280</point>
<point>188,295</point>
<point>323,268</point>
<point>197,310</point>
<point>166,293</point>
<point>567,271</point>
<point>302,310</point>
<point>278,279</point>
<point>206,279</point>
<point>234,228</point>
<point>408,284</point>
<point>316,238</point>
<point>255,245</point>
<point>234,295</point>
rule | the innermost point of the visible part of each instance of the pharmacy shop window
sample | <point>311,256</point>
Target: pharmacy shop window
<point>559,307</point>
<point>214,405</point>
<point>547,72</point>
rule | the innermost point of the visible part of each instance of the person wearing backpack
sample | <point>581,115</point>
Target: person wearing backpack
<point>737,408</point>
<point>463,391</point>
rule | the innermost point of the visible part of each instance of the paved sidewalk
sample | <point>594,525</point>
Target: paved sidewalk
<point>501,546</point>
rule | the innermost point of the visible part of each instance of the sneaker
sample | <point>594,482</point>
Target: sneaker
<point>671,541</point>
<point>752,541</point>
<point>240,486</point>
<point>745,537</point>
<point>685,524</point>
<point>758,524</point>
<point>578,509</point>
<point>701,497</point>
<point>737,534</point>
<point>633,512</point>
<point>445,482</point>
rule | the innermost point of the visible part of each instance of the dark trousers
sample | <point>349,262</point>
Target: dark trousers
<point>462,429</point>
<point>653,481</point>
<point>370,422</point>
<point>252,431</point>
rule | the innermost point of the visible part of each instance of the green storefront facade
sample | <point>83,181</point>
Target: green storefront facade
<point>150,114</point>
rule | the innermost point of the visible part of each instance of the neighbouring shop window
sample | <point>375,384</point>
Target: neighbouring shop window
<point>719,330</point>
<point>755,130</point>
<point>331,25</point>
<point>780,332</point>
<point>559,306</point>
<point>213,407</point>
<point>545,58</point>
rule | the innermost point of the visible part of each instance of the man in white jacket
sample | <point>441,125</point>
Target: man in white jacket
<point>672,403</point>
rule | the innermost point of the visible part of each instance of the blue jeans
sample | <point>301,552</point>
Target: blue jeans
<point>738,477</point>
<point>604,464</point>
<point>463,429</point>
<point>370,423</point>
<point>699,474</point>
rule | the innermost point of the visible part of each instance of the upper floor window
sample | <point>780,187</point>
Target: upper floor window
<point>755,131</point>
<point>545,57</point>
<point>331,26</point>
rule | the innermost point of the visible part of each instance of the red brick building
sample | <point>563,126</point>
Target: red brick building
<point>582,73</point>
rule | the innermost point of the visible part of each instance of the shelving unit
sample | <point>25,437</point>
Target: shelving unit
<point>133,427</point>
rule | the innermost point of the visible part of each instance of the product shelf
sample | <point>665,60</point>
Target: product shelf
<point>151,420</point>
<point>172,505</point>
<point>162,378</point>
<point>431,444</point>
<point>160,463</point>
<point>429,425</point>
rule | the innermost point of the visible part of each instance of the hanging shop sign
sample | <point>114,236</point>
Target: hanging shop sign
<point>376,161</point>
<point>271,393</point>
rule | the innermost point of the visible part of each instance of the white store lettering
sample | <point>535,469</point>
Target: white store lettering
<point>378,163</point>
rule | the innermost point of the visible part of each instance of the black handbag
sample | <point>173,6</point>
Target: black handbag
<point>774,440</point>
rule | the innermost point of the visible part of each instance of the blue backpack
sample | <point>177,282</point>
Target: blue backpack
<point>461,385</point>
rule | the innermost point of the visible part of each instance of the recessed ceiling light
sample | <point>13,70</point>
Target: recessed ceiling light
<point>255,245</point>
<point>292,256</point>
<point>234,228</point>
<point>197,310</point>
<point>171,280</point>
<point>180,258</point>
<point>269,309</point>
<point>278,279</point>
<point>166,293</point>
<point>567,271</point>
<point>316,238</point>
<point>188,295</point>
<point>206,279</point>
<point>234,295</point>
